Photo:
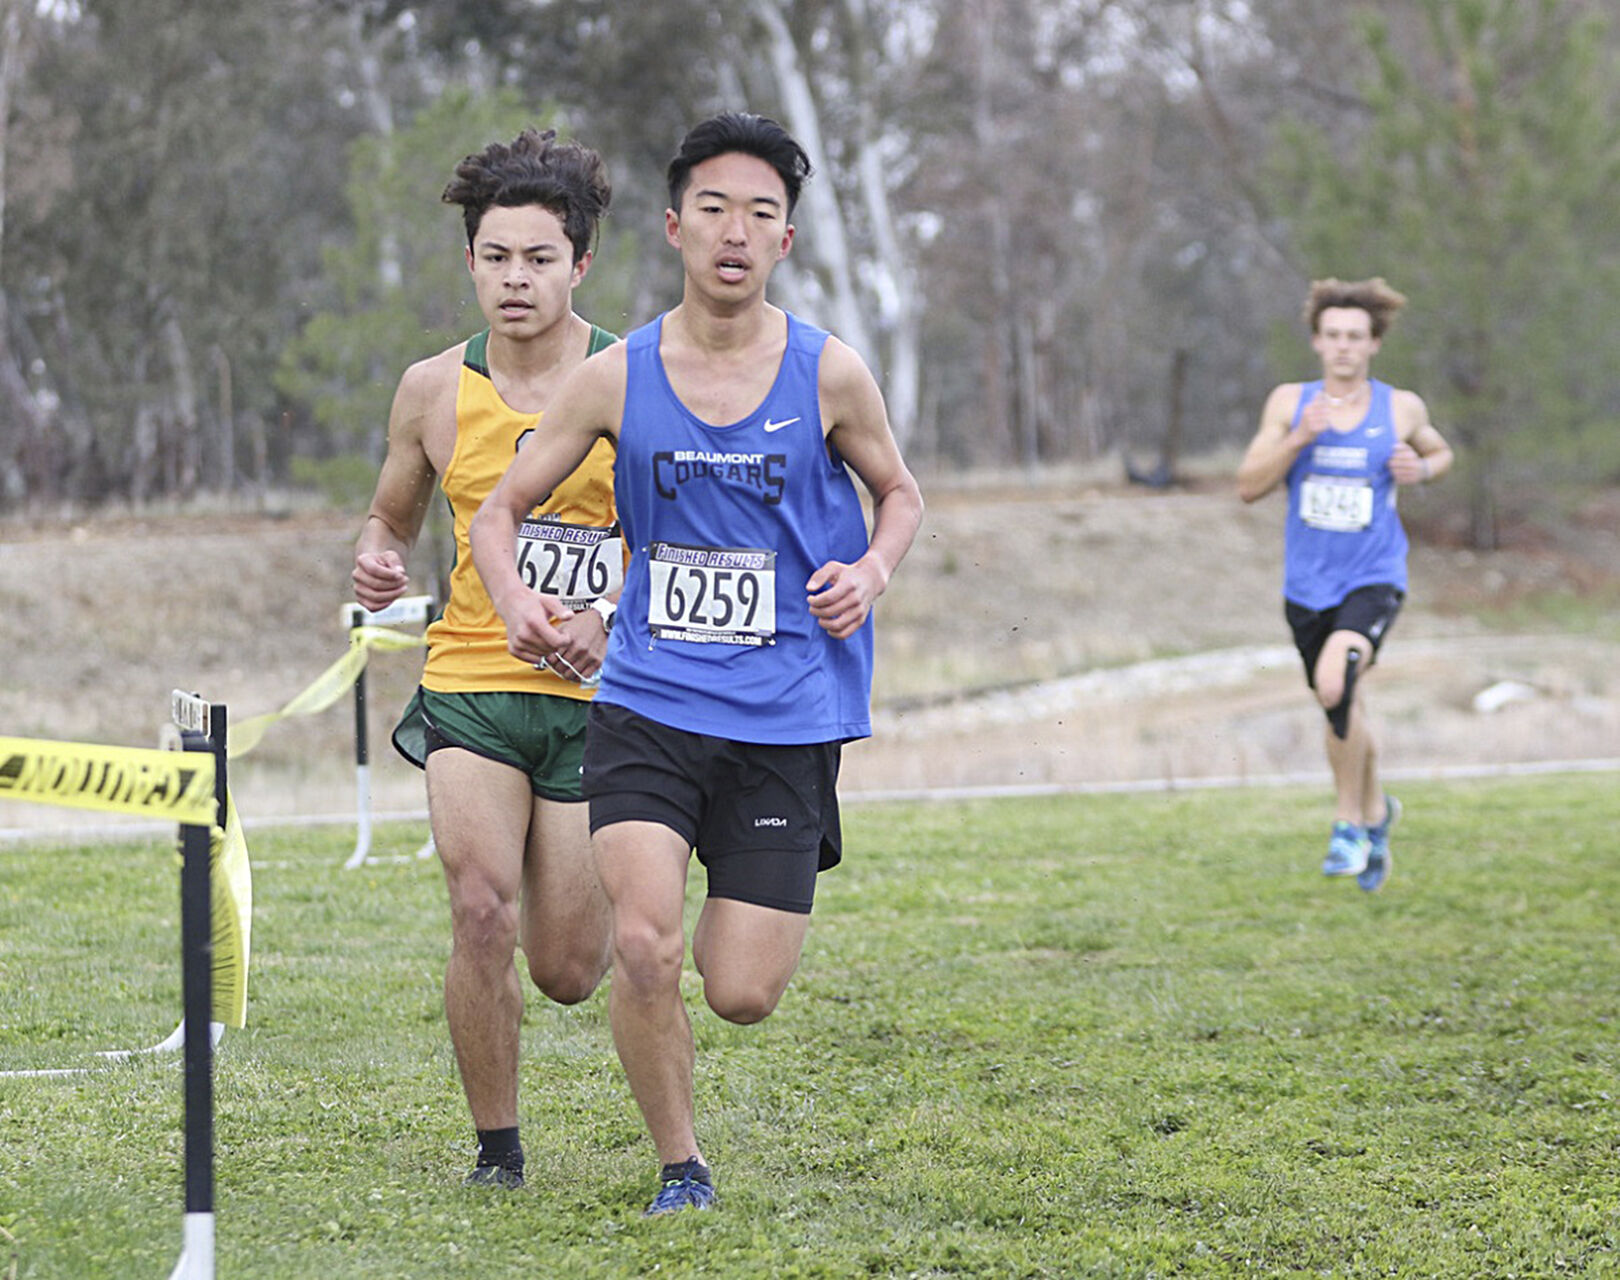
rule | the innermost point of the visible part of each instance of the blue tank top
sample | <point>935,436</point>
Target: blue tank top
<point>1343,529</point>
<point>726,524</point>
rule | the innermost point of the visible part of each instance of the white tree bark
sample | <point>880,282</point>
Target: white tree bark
<point>830,241</point>
<point>887,289</point>
<point>186,421</point>
<point>19,413</point>
<point>892,274</point>
<point>11,61</point>
<point>368,63</point>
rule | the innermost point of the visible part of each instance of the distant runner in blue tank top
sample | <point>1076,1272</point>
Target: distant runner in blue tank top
<point>1344,445</point>
<point>740,657</point>
<point>1341,484</point>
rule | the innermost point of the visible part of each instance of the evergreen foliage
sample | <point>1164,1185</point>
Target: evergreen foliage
<point>1482,185</point>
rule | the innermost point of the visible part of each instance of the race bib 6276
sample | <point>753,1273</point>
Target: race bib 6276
<point>574,562</point>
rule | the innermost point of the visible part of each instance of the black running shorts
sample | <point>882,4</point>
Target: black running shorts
<point>1368,611</point>
<point>763,818</point>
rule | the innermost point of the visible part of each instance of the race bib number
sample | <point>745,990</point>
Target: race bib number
<point>1339,504</point>
<point>574,562</point>
<point>712,595</point>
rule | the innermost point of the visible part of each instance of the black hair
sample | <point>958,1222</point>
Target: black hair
<point>740,131</point>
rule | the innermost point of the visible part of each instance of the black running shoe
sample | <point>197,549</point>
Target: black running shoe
<point>494,1175</point>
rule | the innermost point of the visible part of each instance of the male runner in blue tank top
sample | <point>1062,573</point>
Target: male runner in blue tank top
<point>740,657</point>
<point>1343,445</point>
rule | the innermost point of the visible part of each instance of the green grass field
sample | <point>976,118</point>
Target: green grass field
<point>1085,1036</point>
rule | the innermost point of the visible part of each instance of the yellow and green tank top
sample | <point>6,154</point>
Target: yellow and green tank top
<point>467,644</point>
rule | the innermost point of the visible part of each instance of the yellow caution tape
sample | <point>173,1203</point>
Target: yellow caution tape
<point>231,882</point>
<point>178,785</point>
<point>327,687</point>
<point>232,877</point>
<point>174,785</point>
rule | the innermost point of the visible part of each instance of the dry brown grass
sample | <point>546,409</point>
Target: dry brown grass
<point>1009,587</point>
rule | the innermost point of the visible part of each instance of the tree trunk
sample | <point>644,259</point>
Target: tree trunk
<point>1170,454</point>
<point>999,428</point>
<point>22,425</point>
<point>143,460</point>
<point>14,53</point>
<point>894,279</point>
<point>380,112</point>
<point>804,120</point>
<point>1027,407</point>
<point>225,475</point>
<point>18,412</point>
<point>1484,528</point>
<point>186,460</point>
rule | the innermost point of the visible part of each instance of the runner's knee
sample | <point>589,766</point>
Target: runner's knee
<point>482,919</point>
<point>742,1000</point>
<point>565,979</point>
<point>646,957</point>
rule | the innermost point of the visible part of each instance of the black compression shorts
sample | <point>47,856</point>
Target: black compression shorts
<point>1368,611</point>
<point>763,818</point>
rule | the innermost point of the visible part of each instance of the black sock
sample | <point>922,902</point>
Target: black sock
<point>500,1147</point>
<point>693,1168</point>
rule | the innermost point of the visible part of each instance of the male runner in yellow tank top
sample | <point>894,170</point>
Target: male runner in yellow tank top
<point>500,740</point>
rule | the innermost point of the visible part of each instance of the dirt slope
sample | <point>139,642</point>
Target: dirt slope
<point>1034,636</point>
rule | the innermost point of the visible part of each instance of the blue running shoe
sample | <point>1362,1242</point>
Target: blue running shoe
<point>686,1186</point>
<point>1347,850</point>
<point>1379,858</point>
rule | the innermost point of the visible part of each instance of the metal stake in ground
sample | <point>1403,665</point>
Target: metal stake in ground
<point>206,731</point>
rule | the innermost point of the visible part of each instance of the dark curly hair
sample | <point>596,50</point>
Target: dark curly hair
<point>534,168</point>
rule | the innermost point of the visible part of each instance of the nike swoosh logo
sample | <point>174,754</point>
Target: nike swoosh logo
<point>1375,431</point>
<point>777,426</point>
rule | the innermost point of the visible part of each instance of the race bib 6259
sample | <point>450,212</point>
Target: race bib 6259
<point>712,595</point>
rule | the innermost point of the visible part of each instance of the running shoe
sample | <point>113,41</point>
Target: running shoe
<point>1379,858</point>
<point>494,1175</point>
<point>1347,850</point>
<point>682,1189</point>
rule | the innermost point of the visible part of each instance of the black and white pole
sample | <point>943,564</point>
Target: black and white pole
<point>203,728</point>
<point>407,609</point>
<point>362,775</point>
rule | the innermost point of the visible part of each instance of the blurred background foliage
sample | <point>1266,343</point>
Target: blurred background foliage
<point>1061,231</point>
